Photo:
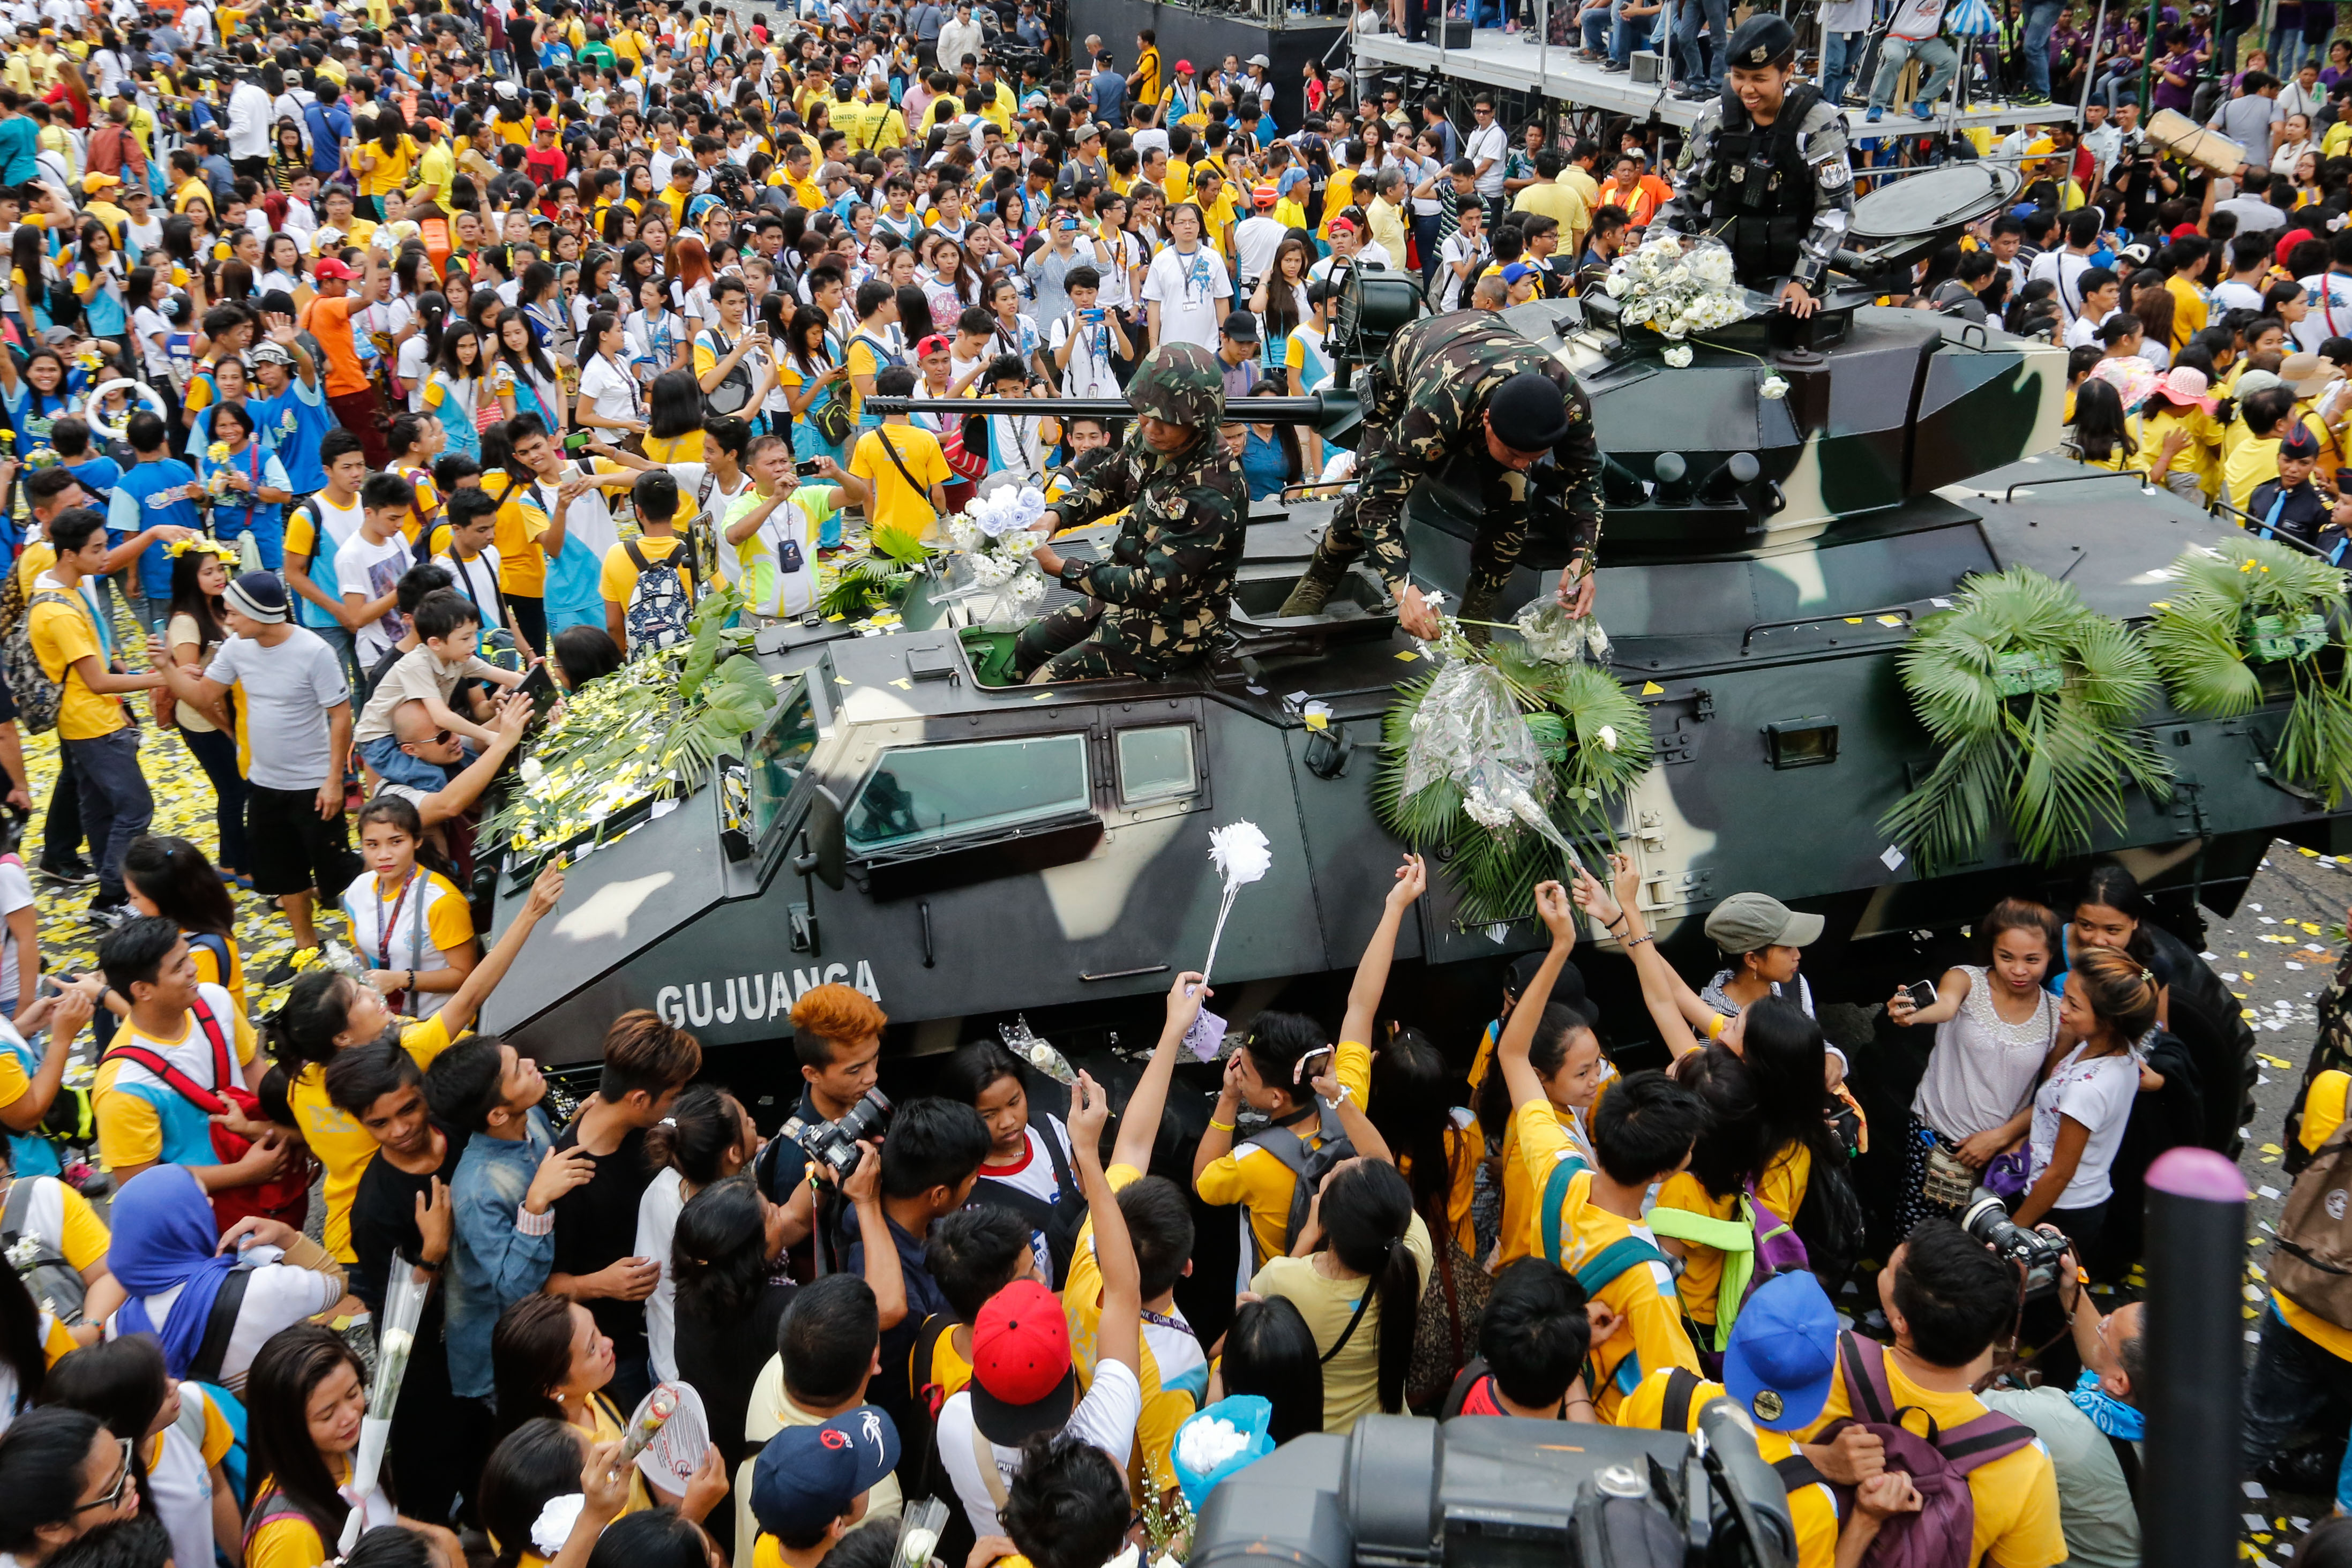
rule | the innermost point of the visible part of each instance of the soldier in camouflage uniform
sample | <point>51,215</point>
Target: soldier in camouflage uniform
<point>1469,385</point>
<point>1158,601</point>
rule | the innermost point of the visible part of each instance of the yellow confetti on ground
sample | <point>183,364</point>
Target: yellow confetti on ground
<point>185,808</point>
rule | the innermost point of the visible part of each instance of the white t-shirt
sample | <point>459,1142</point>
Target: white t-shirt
<point>1491,141</point>
<point>16,894</point>
<point>1460,246</point>
<point>658,1207</point>
<point>1105,1418</point>
<point>1034,1177</point>
<point>415,370</point>
<point>2330,294</point>
<point>478,580</point>
<point>288,690</point>
<point>153,329</point>
<point>1089,372</point>
<point>371,571</point>
<point>179,1480</point>
<point>2232,295</point>
<point>613,391</point>
<point>277,1297</point>
<point>2097,1094</point>
<point>413,929</point>
<point>1191,292</point>
<point>1256,239</point>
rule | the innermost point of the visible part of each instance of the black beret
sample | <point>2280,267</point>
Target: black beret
<point>1762,40</point>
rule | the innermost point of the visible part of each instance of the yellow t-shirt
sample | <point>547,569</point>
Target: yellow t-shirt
<point>63,635</point>
<point>521,518</point>
<point>2248,462</point>
<point>130,1130</point>
<point>899,509</point>
<point>1351,1377</point>
<point>82,1236</point>
<point>1783,1189</point>
<point>1812,1508</point>
<point>1247,1173</point>
<point>2016,1496</point>
<point>1651,1335</point>
<point>1552,199</point>
<point>1149,1470</point>
<point>390,173</point>
<point>2188,310</point>
<point>619,577</point>
<point>342,1145</point>
<point>208,969</point>
<point>687,448</point>
<point>2323,1115</point>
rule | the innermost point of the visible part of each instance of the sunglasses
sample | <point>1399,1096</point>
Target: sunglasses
<point>112,1496</point>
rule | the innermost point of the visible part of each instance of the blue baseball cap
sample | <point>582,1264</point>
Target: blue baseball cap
<point>1784,1353</point>
<point>807,1477</point>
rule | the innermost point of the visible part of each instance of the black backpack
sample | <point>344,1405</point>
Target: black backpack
<point>1058,1221</point>
<point>1308,1165</point>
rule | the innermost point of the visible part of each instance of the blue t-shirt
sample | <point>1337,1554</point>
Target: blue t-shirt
<point>144,498</point>
<point>19,140</point>
<point>294,423</point>
<point>99,475</point>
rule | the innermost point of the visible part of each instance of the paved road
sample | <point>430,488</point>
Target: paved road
<point>2277,954</point>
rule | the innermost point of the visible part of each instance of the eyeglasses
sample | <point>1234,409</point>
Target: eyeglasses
<point>112,1496</point>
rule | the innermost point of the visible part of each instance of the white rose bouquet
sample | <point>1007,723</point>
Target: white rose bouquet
<point>991,539</point>
<point>1660,286</point>
<point>404,1306</point>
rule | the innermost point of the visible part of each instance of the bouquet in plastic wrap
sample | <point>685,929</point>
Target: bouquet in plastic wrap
<point>1510,757</point>
<point>991,539</point>
<point>403,1305</point>
<point>1677,292</point>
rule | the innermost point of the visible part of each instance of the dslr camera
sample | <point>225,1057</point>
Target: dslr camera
<point>1483,1491</point>
<point>2036,1253</point>
<point>834,1143</point>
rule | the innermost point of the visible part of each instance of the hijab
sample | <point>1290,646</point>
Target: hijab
<point>165,1236</point>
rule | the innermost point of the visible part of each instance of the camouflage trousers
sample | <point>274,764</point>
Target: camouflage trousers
<point>1502,537</point>
<point>1070,645</point>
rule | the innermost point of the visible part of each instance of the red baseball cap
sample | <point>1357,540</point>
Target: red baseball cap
<point>331,267</point>
<point>1021,1379</point>
<point>2184,231</point>
<point>543,123</point>
<point>2285,246</point>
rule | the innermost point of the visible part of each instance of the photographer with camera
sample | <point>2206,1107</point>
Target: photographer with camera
<point>2092,1432</point>
<point>1948,1297</point>
<point>838,1037</point>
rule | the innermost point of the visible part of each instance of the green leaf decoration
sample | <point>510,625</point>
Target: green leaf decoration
<point>1567,708</point>
<point>649,729</point>
<point>873,582</point>
<point>2033,699</point>
<point>2253,603</point>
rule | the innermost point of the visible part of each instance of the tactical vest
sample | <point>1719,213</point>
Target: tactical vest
<point>1760,191</point>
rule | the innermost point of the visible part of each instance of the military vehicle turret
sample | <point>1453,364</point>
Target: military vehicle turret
<point>960,850</point>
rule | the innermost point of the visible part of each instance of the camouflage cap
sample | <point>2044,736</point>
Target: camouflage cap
<point>1179,382</point>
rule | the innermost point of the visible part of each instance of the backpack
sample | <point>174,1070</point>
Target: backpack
<point>38,697</point>
<point>1596,1272</point>
<point>1059,1222</point>
<point>660,605</point>
<point>1942,1534</point>
<point>287,1197</point>
<point>1757,1244</point>
<point>2311,1262</point>
<point>54,1284</point>
<point>1445,1327</point>
<point>1310,1167</point>
<point>191,1422</point>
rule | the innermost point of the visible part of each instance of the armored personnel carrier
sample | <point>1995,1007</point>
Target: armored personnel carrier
<point>960,850</point>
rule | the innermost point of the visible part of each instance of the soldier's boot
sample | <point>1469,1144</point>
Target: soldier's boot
<point>1478,601</point>
<point>1322,575</point>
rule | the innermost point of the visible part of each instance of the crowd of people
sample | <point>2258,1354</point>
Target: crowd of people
<point>366,362</point>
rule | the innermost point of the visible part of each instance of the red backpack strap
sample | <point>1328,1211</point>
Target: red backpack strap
<point>1867,1394</point>
<point>188,1089</point>
<point>211,1026</point>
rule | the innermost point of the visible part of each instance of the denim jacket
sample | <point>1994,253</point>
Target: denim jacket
<point>495,1263</point>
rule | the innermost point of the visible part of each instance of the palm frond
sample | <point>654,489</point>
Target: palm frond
<point>2251,601</point>
<point>1594,739</point>
<point>2033,699</point>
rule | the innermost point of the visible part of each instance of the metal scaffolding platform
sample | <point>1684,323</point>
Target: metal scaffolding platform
<point>1499,59</point>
